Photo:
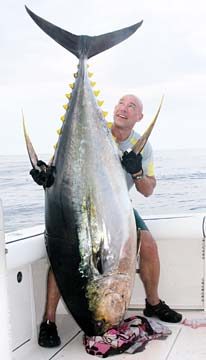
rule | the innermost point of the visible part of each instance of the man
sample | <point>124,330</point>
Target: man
<point>139,172</point>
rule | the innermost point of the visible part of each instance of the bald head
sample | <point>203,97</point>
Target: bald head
<point>134,99</point>
<point>127,113</point>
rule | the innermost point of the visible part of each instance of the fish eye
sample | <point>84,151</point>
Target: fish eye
<point>100,323</point>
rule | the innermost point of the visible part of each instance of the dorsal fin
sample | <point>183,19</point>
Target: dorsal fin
<point>83,45</point>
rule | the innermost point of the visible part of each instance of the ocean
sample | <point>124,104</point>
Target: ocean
<point>181,188</point>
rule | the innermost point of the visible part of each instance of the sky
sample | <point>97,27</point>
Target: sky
<point>166,56</point>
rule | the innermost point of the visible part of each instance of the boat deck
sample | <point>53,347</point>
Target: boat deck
<point>184,343</point>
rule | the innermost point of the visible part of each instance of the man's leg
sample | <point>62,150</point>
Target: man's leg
<point>53,296</point>
<point>149,267</point>
<point>48,335</point>
<point>149,273</point>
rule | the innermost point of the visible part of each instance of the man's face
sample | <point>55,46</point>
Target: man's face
<point>127,112</point>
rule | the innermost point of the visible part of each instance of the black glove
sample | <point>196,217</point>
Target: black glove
<point>50,176</point>
<point>42,165</point>
<point>45,176</point>
<point>132,162</point>
<point>38,176</point>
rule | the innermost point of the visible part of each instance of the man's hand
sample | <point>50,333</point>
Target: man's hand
<point>45,176</point>
<point>38,176</point>
<point>132,162</point>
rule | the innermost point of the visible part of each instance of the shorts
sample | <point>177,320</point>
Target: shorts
<point>140,224</point>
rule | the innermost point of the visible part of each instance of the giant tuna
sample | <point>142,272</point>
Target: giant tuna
<point>90,230</point>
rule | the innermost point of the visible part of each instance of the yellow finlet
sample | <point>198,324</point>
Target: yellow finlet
<point>59,131</point>
<point>51,160</point>
<point>75,75</point>
<point>90,74</point>
<point>66,106</point>
<point>92,83</point>
<point>62,117</point>
<point>100,102</point>
<point>69,96</point>
<point>109,125</point>
<point>96,92</point>
<point>71,86</point>
<point>104,113</point>
<point>55,146</point>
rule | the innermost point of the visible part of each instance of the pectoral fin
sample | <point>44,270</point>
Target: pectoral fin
<point>31,152</point>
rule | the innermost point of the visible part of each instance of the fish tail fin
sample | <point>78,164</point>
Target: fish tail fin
<point>83,45</point>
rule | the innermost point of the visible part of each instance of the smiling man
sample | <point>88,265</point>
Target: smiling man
<point>127,113</point>
<point>140,172</point>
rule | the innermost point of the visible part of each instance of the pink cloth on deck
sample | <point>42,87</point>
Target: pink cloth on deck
<point>131,337</point>
<point>195,323</point>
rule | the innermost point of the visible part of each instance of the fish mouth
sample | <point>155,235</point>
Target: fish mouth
<point>110,312</point>
<point>108,300</point>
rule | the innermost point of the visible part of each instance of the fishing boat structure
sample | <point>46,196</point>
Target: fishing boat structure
<point>23,272</point>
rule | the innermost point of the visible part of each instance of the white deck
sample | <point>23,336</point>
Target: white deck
<point>184,343</point>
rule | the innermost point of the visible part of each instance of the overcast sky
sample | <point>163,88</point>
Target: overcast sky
<point>166,56</point>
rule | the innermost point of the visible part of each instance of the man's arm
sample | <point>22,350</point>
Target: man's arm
<point>133,164</point>
<point>145,185</point>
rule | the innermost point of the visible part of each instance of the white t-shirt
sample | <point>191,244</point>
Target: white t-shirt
<point>147,155</point>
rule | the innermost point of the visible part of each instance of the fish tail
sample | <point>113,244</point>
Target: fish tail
<point>83,46</point>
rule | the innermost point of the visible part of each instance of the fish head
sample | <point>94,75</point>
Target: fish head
<point>108,301</point>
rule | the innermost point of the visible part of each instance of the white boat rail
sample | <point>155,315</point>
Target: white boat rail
<point>5,331</point>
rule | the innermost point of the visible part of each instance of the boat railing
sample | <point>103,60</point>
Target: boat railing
<point>5,331</point>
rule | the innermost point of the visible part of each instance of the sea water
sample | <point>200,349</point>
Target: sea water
<point>181,188</point>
